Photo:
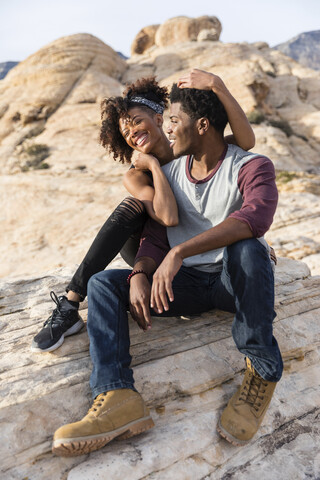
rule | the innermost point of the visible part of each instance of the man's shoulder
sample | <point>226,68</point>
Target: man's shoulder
<point>239,157</point>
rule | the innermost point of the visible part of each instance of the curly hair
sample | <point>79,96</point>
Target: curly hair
<point>201,103</point>
<point>114,108</point>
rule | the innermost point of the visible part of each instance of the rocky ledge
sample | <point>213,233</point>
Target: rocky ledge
<point>185,368</point>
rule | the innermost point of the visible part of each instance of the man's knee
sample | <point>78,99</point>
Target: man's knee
<point>99,280</point>
<point>250,254</point>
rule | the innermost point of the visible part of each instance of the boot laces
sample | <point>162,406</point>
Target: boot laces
<point>57,317</point>
<point>252,392</point>
<point>97,402</point>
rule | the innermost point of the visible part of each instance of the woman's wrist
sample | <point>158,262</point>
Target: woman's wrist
<point>154,163</point>
<point>136,272</point>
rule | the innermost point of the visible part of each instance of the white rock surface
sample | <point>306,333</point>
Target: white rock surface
<point>186,369</point>
<point>53,97</point>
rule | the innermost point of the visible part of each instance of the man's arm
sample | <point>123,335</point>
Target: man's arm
<point>256,182</point>
<point>242,133</point>
<point>227,232</point>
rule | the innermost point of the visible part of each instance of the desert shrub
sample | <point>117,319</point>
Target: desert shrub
<point>38,150</point>
<point>36,153</point>
<point>256,117</point>
<point>42,166</point>
<point>282,125</point>
<point>283,176</point>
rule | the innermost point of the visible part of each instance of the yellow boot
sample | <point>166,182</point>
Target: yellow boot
<point>118,413</point>
<point>244,413</point>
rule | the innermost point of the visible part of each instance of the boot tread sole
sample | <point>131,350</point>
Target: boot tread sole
<point>230,438</point>
<point>70,447</point>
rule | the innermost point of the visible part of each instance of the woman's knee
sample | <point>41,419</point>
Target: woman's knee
<point>130,208</point>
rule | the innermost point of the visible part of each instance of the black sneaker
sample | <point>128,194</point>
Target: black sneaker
<point>64,320</point>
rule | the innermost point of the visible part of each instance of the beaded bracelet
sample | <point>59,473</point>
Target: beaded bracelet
<point>134,272</point>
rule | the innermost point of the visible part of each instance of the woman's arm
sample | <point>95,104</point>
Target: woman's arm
<point>157,198</point>
<point>243,135</point>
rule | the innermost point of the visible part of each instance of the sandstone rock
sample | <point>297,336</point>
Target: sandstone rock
<point>72,70</point>
<point>186,369</point>
<point>208,34</point>
<point>184,29</point>
<point>70,200</point>
<point>260,45</point>
<point>295,232</point>
<point>144,39</point>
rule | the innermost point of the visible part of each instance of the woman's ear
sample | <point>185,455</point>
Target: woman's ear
<point>159,119</point>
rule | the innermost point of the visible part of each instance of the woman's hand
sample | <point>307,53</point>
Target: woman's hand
<point>143,161</point>
<point>243,135</point>
<point>139,299</point>
<point>202,80</point>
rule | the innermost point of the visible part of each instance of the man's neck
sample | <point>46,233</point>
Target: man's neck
<point>207,156</point>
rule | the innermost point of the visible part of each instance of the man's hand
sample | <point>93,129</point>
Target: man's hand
<point>201,80</point>
<point>162,281</point>
<point>139,300</point>
<point>143,161</point>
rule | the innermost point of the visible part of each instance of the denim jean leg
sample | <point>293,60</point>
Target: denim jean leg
<point>248,274</point>
<point>109,331</point>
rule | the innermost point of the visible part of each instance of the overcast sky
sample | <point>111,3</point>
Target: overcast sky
<point>27,25</point>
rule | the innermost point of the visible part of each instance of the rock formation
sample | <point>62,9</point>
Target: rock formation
<point>57,186</point>
<point>184,29</point>
<point>304,48</point>
<point>177,30</point>
<point>49,106</point>
<point>144,39</point>
<point>185,368</point>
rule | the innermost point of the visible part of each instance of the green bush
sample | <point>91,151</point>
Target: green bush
<point>36,153</point>
<point>283,176</point>
<point>37,149</point>
<point>282,125</point>
<point>256,117</point>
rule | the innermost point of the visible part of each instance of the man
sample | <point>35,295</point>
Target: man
<point>218,259</point>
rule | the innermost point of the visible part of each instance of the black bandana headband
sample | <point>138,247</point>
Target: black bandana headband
<point>156,107</point>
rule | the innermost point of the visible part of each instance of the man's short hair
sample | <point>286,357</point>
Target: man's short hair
<point>200,103</point>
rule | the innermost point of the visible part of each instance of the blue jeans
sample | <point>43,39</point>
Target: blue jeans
<point>245,286</point>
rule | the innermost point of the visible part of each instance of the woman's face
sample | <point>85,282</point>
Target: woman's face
<point>141,129</point>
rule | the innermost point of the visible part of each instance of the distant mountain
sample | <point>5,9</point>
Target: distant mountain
<point>305,49</point>
<point>121,55</point>
<point>5,67</point>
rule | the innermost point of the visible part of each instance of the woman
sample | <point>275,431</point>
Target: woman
<point>131,123</point>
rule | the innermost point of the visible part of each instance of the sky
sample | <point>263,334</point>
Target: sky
<point>28,25</point>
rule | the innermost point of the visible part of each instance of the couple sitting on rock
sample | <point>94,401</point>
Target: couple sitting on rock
<point>205,203</point>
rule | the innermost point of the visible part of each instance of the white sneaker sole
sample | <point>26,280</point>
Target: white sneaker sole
<point>71,447</point>
<point>71,331</point>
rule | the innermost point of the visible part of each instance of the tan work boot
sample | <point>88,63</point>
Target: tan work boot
<point>118,413</point>
<point>244,413</point>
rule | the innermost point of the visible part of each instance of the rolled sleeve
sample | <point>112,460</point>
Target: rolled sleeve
<point>256,182</point>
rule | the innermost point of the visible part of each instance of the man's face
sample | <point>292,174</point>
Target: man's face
<point>182,131</point>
